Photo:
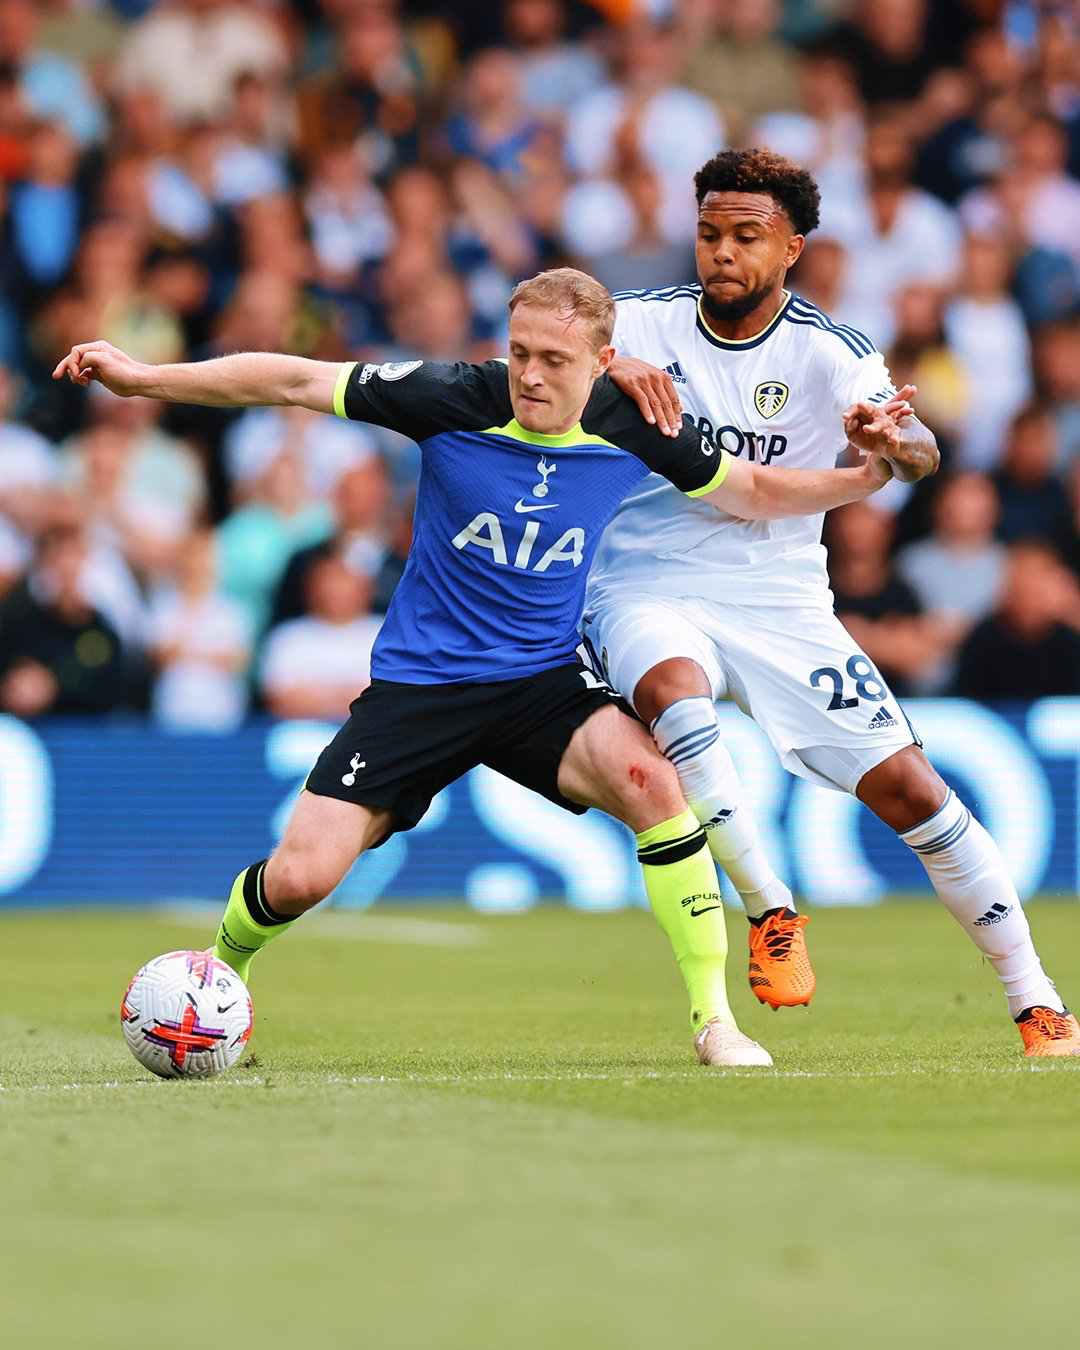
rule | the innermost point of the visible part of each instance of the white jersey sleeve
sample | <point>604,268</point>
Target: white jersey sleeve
<point>635,312</point>
<point>625,336</point>
<point>866,380</point>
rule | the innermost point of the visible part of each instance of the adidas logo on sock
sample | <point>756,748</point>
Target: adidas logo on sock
<point>721,818</point>
<point>882,719</point>
<point>675,371</point>
<point>994,914</point>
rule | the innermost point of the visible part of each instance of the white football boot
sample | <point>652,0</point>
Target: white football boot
<point>719,1043</point>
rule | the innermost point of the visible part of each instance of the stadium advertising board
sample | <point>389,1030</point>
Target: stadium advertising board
<point>103,812</point>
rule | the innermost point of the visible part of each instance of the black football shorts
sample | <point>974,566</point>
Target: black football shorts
<point>403,743</point>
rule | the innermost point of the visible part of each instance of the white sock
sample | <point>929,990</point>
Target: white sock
<point>969,875</point>
<point>688,734</point>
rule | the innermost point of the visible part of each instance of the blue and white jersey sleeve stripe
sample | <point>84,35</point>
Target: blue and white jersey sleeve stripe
<point>802,312</point>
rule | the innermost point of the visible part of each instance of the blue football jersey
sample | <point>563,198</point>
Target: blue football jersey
<point>507,520</point>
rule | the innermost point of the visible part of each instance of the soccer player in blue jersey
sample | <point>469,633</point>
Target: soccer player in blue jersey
<point>523,464</point>
<point>770,375</point>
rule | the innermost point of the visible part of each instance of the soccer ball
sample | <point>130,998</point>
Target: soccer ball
<point>186,1015</point>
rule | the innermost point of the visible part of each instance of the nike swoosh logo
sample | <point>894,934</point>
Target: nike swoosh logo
<point>545,506</point>
<point>694,913</point>
<point>233,1004</point>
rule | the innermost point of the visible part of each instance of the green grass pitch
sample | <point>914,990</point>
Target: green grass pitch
<point>464,1132</point>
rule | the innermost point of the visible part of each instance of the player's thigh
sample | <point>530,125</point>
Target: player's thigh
<point>612,763</point>
<point>568,735</point>
<point>630,637</point>
<point>322,840</point>
<point>824,705</point>
<point>401,746</point>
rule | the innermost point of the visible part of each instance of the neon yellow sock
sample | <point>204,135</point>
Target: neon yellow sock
<point>680,879</point>
<point>248,923</point>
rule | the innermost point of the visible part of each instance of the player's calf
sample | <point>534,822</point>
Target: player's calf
<point>266,898</point>
<point>612,763</point>
<point>688,734</point>
<point>323,839</point>
<point>969,875</point>
<point>249,921</point>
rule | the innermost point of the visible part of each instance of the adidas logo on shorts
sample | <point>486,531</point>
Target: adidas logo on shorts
<point>882,719</point>
<point>675,371</point>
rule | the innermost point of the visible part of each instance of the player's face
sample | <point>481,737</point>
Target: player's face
<point>745,245</point>
<point>554,362</point>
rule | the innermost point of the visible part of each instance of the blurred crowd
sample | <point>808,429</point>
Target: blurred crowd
<point>368,178</point>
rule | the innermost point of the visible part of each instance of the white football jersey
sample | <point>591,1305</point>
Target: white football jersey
<point>776,398</point>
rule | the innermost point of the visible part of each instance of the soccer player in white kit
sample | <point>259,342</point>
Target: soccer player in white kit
<point>685,608</point>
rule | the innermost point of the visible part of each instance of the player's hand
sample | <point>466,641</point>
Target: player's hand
<point>652,390</point>
<point>914,454</point>
<point>899,406</point>
<point>874,428</point>
<point>105,363</point>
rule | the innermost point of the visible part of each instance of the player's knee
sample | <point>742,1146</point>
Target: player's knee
<point>904,790</point>
<point>666,684</point>
<point>918,797</point>
<point>653,781</point>
<point>295,881</point>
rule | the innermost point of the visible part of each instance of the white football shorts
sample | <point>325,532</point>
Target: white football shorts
<point>797,672</point>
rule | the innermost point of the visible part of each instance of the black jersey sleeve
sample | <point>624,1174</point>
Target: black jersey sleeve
<point>422,398</point>
<point>688,460</point>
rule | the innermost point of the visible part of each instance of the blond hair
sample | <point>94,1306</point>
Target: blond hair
<point>574,293</point>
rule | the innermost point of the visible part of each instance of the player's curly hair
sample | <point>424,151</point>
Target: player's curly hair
<point>759,170</point>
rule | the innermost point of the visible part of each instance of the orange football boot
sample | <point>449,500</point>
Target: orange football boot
<point>780,970</point>
<point>1045,1031</point>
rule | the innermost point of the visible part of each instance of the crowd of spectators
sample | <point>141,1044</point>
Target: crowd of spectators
<point>368,178</point>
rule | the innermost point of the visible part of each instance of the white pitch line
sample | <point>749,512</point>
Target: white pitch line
<point>627,1079</point>
<point>686,1075</point>
<point>392,928</point>
<point>335,923</point>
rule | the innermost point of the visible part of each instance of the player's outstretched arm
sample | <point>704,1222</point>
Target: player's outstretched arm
<point>246,379</point>
<point>753,492</point>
